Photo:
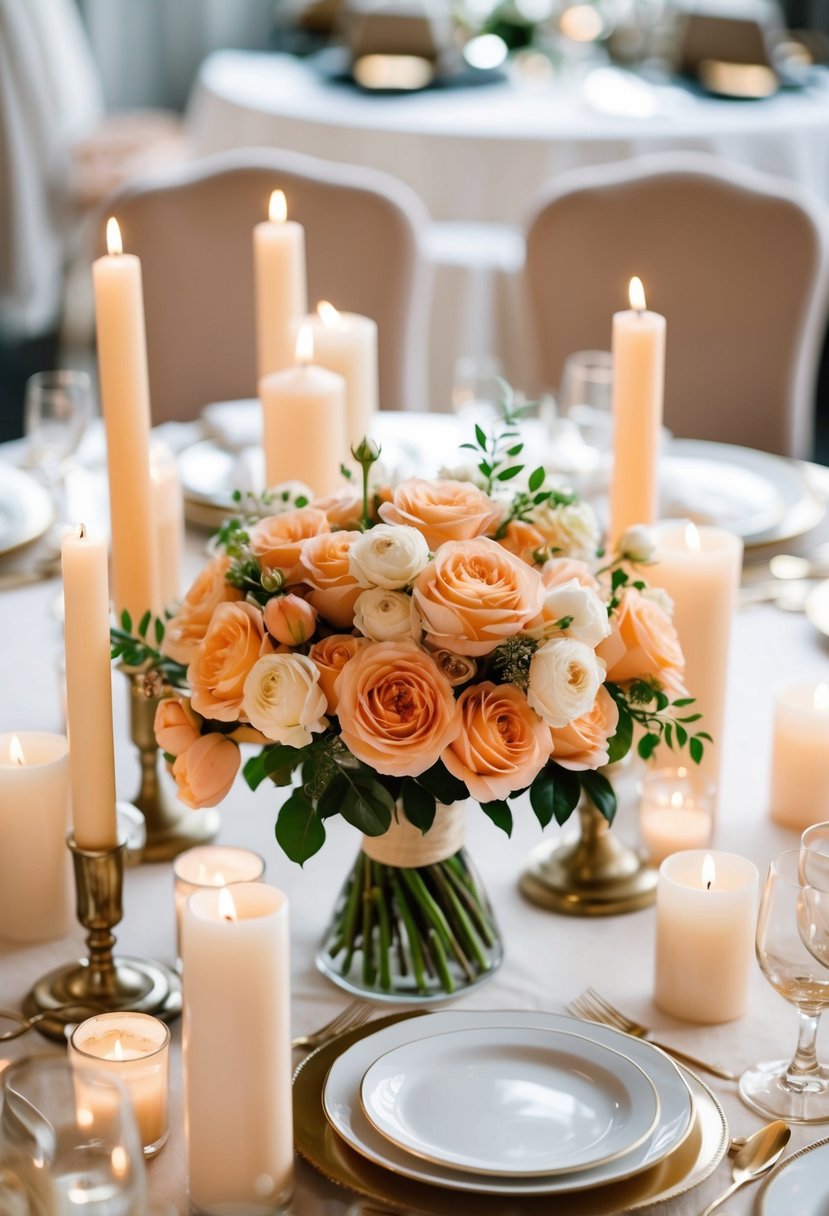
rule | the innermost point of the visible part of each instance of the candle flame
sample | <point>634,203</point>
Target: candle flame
<point>682,772</point>
<point>227,908</point>
<point>305,345</point>
<point>219,879</point>
<point>709,872</point>
<point>692,538</point>
<point>677,799</point>
<point>820,700</point>
<point>329,315</point>
<point>277,207</point>
<point>117,1051</point>
<point>636,294</point>
<point>114,243</point>
<point>85,1117</point>
<point>120,1161</point>
<point>17,755</point>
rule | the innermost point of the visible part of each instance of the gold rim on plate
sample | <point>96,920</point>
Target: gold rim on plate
<point>317,1142</point>
<point>778,1169</point>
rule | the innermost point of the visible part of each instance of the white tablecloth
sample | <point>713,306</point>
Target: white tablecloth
<point>549,959</point>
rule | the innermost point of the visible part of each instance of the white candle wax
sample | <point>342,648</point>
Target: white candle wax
<point>35,903</point>
<point>211,866</point>
<point>346,343</point>
<point>706,913</point>
<point>638,387</point>
<point>89,691</point>
<point>125,402</point>
<point>675,812</point>
<point>700,569</point>
<point>168,520</point>
<point>134,1047</point>
<point>280,280</point>
<point>800,757</point>
<point>237,1040</point>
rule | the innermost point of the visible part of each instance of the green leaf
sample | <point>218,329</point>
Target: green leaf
<point>621,742</point>
<point>418,804</point>
<point>440,782</point>
<point>500,814</point>
<point>515,451</point>
<point>566,795</point>
<point>299,830</point>
<point>668,735</point>
<point>126,622</point>
<point>536,479</point>
<point>480,435</point>
<point>542,796</point>
<point>367,805</point>
<point>648,745</point>
<point>601,793</point>
<point>683,701</point>
<point>681,735</point>
<point>696,748</point>
<point>330,801</point>
<point>280,759</point>
<point>144,624</point>
<point>691,718</point>
<point>159,630</point>
<point>508,474</point>
<point>703,734</point>
<point>618,579</point>
<point>254,771</point>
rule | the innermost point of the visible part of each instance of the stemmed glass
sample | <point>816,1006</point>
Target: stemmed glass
<point>57,409</point>
<point>797,1091</point>
<point>585,395</point>
<point>69,1141</point>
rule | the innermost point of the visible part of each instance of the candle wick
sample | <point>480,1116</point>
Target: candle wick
<point>708,885</point>
<point>81,531</point>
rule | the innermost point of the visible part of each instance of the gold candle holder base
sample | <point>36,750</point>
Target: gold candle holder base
<point>596,875</point>
<point>100,981</point>
<point>171,828</point>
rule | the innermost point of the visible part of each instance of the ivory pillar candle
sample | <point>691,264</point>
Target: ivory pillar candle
<point>706,914</point>
<point>700,569</point>
<point>800,757</point>
<point>304,423</point>
<point>35,903</point>
<point>168,520</point>
<point>134,1047</point>
<point>675,812</point>
<point>638,387</point>
<point>346,343</point>
<point>125,403</point>
<point>280,280</point>
<point>89,691</point>
<point>211,866</point>
<point>237,1040</point>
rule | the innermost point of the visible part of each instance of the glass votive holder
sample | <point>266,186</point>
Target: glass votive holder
<point>676,812</point>
<point>211,865</point>
<point>134,1047</point>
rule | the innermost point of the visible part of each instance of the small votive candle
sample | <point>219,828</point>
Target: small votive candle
<point>675,812</point>
<point>706,913</point>
<point>211,866</point>
<point>800,757</point>
<point>134,1047</point>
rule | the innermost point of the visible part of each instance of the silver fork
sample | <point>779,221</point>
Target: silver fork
<point>354,1015</point>
<point>591,1007</point>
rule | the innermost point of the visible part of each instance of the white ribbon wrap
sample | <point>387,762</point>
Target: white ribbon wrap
<point>406,847</point>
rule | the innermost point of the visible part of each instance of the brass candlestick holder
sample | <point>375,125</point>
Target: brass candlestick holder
<point>595,875</point>
<point>101,980</point>
<point>171,828</point>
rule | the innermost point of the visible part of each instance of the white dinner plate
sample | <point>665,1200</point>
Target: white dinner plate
<point>341,1101</point>
<point>25,508</point>
<point>799,1186</point>
<point>545,1101</point>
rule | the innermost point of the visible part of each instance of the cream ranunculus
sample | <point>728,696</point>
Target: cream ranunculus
<point>570,530</point>
<point>637,544</point>
<point>383,616</point>
<point>389,556</point>
<point>565,677</point>
<point>585,611</point>
<point>283,698</point>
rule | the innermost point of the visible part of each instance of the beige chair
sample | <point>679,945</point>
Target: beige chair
<point>736,262</point>
<point>192,229</point>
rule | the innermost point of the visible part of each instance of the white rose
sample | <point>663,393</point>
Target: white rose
<point>660,597</point>
<point>383,616</point>
<point>287,496</point>
<point>388,556</point>
<point>463,472</point>
<point>587,612</point>
<point>637,544</point>
<point>572,530</point>
<point>565,677</point>
<point>283,699</point>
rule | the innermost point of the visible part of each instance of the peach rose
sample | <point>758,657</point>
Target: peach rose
<point>187,628</point>
<point>176,726</point>
<point>396,709</point>
<point>441,510</point>
<point>342,510</point>
<point>278,541</point>
<point>290,620</point>
<point>474,595</point>
<point>583,743</point>
<point>559,570</point>
<point>206,771</point>
<point>502,745</point>
<point>331,655</point>
<point>324,566</point>
<point>643,643</point>
<point>523,540</point>
<point>234,641</point>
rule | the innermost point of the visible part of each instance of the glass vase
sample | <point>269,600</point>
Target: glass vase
<point>412,922</point>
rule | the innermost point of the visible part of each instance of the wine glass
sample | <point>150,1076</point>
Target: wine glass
<point>57,409</point>
<point>814,856</point>
<point>69,1141</point>
<point>477,388</point>
<point>585,395</point>
<point>813,909</point>
<point>797,1091</point>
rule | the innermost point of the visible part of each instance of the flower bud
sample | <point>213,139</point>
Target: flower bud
<point>290,619</point>
<point>637,544</point>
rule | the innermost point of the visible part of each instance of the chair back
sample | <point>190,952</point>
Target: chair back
<point>735,260</point>
<point>192,228</point>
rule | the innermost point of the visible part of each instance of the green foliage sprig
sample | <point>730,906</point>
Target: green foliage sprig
<point>134,650</point>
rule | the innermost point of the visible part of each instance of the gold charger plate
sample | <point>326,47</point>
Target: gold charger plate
<point>315,1140</point>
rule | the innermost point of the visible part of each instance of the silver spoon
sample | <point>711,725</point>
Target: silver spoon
<point>757,1155</point>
